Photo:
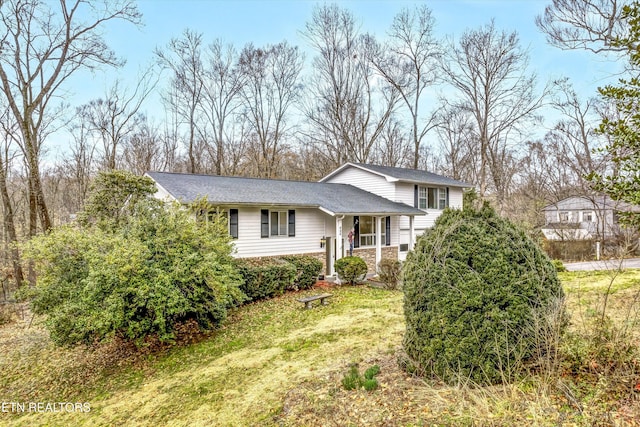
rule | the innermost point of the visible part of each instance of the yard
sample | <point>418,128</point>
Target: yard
<point>275,363</point>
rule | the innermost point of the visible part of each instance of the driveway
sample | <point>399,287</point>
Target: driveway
<point>611,264</point>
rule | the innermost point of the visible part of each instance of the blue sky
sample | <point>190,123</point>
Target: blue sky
<point>271,21</point>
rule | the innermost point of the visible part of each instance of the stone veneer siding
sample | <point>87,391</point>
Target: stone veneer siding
<point>367,254</point>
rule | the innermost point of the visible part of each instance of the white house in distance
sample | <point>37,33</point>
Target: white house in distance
<point>386,207</point>
<point>582,218</point>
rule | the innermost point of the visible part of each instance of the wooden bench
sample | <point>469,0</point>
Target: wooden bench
<point>308,300</point>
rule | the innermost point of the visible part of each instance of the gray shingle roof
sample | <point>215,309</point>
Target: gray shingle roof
<point>340,199</point>
<point>414,176</point>
<point>591,202</point>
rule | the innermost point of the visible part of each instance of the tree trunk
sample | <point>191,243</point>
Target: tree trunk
<point>10,228</point>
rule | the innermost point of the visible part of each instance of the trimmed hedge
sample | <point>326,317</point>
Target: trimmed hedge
<point>351,269</point>
<point>265,277</point>
<point>479,295</point>
<point>308,269</point>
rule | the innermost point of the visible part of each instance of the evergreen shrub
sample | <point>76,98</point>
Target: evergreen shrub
<point>155,269</point>
<point>265,277</point>
<point>475,285</point>
<point>308,269</point>
<point>351,269</point>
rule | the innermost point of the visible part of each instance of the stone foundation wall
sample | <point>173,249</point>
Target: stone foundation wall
<point>369,256</point>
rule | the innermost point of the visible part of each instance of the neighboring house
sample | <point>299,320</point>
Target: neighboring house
<point>582,217</point>
<point>277,217</point>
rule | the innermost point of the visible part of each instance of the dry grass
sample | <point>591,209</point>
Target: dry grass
<point>239,375</point>
<point>275,363</point>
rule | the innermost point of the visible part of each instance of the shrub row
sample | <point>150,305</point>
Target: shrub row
<point>269,277</point>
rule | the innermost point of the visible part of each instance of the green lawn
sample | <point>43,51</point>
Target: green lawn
<point>274,363</point>
<point>237,376</point>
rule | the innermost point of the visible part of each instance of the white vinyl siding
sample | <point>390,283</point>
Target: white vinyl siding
<point>311,226</point>
<point>405,194</point>
<point>367,181</point>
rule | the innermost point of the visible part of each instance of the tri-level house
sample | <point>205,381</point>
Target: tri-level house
<point>384,208</point>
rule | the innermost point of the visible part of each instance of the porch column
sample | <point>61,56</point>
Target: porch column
<point>338,253</point>
<point>411,233</point>
<point>378,242</point>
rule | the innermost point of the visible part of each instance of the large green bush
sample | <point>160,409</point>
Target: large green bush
<point>351,269</point>
<point>308,269</point>
<point>477,293</point>
<point>265,277</point>
<point>155,269</point>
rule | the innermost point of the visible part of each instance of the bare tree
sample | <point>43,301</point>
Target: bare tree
<point>459,147</point>
<point>222,87</point>
<point>583,24</point>
<point>409,62</point>
<point>78,166</point>
<point>489,71</point>
<point>9,130</point>
<point>270,90</point>
<point>117,115</point>
<point>394,147</point>
<point>349,107</point>
<point>143,150</point>
<point>573,139</point>
<point>42,46</point>
<point>184,59</point>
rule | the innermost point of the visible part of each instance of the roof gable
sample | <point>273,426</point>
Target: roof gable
<point>393,174</point>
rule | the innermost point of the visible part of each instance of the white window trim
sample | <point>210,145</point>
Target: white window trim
<point>284,213</point>
<point>372,236</point>
<point>440,196</point>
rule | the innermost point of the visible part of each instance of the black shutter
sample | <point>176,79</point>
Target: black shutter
<point>415,196</point>
<point>447,205</point>
<point>387,231</point>
<point>233,223</point>
<point>292,223</point>
<point>264,223</point>
<point>356,231</point>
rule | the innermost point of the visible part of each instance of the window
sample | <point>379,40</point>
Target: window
<point>587,217</point>
<point>229,216</point>
<point>277,223</point>
<point>422,198</point>
<point>207,215</point>
<point>367,231</point>
<point>432,198</point>
<point>563,216</point>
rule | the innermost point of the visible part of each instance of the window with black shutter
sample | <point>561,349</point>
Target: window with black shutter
<point>387,231</point>
<point>292,223</point>
<point>233,223</point>
<point>356,231</point>
<point>277,223</point>
<point>264,223</point>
